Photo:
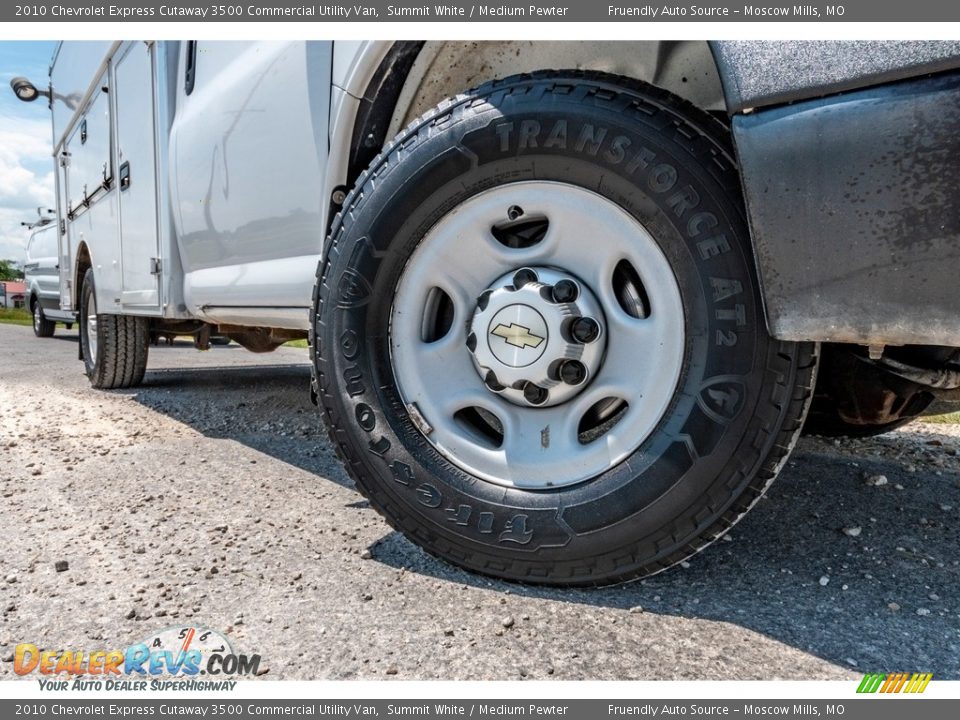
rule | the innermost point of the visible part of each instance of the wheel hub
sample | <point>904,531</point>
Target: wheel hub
<point>537,336</point>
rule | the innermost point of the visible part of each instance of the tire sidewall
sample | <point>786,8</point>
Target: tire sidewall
<point>90,364</point>
<point>630,507</point>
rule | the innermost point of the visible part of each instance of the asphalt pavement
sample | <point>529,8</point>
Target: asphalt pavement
<point>210,497</point>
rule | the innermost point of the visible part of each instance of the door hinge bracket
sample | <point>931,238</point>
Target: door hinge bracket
<point>156,265</point>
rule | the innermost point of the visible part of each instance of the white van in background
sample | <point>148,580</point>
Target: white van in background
<point>41,275</point>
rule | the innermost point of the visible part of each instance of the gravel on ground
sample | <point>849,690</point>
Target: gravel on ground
<point>211,497</point>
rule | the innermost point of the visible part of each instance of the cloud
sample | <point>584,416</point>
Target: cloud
<point>26,179</point>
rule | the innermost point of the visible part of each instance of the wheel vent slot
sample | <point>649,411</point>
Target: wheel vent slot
<point>629,290</point>
<point>437,316</point>
<point>522,233</point>
<point>482,425</point>
<point>601,419</point>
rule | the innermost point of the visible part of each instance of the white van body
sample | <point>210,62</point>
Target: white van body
<point>206,205</point>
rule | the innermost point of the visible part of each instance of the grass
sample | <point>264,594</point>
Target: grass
<point>296,343</point>
<point>16,316</point>
<point>948,419</point>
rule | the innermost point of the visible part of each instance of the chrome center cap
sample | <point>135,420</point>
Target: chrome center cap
<point>518,335</point>
<point>537,336</point>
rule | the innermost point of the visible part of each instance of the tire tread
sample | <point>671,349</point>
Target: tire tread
<point>125,342</point>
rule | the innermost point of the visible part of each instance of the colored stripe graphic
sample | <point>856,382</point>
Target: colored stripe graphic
<point>922,682</point>
<point>887,683</point>
<point>871,682</point>
<point>890,682</point>
<point>913,684</point>
<point>899,683</point>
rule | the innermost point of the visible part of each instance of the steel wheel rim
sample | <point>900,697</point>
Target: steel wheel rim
<point>36,317</point>
<point>90,327</point>
<point>587,237</point>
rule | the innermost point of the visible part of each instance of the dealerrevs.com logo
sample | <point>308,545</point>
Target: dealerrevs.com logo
<point>172,659</point>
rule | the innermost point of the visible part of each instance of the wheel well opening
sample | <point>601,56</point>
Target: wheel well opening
<point>416,76</point>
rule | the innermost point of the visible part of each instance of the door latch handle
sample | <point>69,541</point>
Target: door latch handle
<point>125,175</point>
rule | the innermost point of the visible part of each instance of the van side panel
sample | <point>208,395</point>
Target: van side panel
<point>92,217</point>
<point>40,270</point>
<point>136,175</point>
<point>248,155</point>
<point>855,214</point>
<point>75,67</point>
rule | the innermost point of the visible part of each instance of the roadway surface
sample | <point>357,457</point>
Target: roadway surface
<point>210,497</point>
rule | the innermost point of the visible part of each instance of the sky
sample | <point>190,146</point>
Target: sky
<point>26,166</point>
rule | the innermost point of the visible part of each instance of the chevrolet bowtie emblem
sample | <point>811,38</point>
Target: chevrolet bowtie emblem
<point>517,335</point>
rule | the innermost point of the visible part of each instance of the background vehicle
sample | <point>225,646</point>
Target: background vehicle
<point>566,325</point>
<point>41,274</point>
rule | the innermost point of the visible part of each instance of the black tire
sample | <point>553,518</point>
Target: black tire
<point>42,327</point>
<point>122,343</point>
<point>740,400</point>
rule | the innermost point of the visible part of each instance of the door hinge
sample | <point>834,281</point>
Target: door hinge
<point>156,265</point>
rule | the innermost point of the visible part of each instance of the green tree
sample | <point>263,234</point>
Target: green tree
<point>8,270</point>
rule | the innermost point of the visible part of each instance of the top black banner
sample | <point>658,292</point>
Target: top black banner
<point>500,11</point>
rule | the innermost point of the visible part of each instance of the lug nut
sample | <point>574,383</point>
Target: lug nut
<point>585,330</point>
<point>565,291</point>
<point>514,212</point>
<point>534,394</point>
<point>490,380</point>
<point>573,372</point>
<point>523,276</point>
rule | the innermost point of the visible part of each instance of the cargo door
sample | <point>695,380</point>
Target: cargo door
<point>85,176</point>
<point>136,176</point>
